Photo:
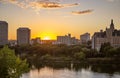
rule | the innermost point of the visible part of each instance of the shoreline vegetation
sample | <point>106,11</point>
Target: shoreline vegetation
<point>37,53</point>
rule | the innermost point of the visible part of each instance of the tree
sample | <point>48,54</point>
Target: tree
<point>105,47</point>
<point>11,66</point>
<point>80,56</point>
<point>111,52</point>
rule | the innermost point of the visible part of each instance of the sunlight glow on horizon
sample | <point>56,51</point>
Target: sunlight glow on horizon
<point>47,36</point>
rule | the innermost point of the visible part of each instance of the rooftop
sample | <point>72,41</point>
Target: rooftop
<point>3,22</point>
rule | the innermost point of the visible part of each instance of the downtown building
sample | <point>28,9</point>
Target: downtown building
<point>3,33</point>
<point>36,40</point>
<point>23,36</point>
<point>84,38</point>
<point>111,35</point>
<point>67,39</point>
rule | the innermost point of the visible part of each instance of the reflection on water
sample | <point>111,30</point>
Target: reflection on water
<point>74,71</point>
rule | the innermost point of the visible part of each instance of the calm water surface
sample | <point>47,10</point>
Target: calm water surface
<point>74,72</point>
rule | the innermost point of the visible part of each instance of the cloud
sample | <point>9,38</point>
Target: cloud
<point>45,4</point>
<point>38,4</point>
<point>50,4</point>
<point>82,12</point>
<point>68,5</point>
<point>20,3</point>
<point>11,1</point>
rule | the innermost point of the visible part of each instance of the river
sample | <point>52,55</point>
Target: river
<point>74,71</point>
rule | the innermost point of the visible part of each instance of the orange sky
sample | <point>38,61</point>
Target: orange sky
<point>49,18</point>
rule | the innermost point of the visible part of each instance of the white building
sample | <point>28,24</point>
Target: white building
<point>36,40</point>
<point>12,42</point>
<point>84,38</point>
<point>23,36</point>
<point>67,39</point>
<point>3,33</point>
<point>111,35</point>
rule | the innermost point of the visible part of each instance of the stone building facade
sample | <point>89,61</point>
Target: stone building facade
<point>111,35</point>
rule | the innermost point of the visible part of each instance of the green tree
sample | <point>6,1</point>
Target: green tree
<point>80,56</point>
<point>111,52</point>
<point>46,57</point>
<point>11,66</point>
<point>105,47</point>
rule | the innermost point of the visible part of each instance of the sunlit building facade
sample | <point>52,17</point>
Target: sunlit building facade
<point>36,40</point>
<point>111,35</point>
<point>84,38</point>
<point>12,42</point>
<point>67,39</point>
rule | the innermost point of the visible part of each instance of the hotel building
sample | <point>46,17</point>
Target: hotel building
<point>111,35</point>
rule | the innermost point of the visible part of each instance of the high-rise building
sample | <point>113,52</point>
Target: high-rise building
<point>23,36</point>
<point>3,33</point>
<point>84,38</point>
<point>111,35</point>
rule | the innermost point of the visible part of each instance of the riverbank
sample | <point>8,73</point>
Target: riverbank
<point>67,60</point>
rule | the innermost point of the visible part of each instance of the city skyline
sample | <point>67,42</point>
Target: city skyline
<point>49,18</point>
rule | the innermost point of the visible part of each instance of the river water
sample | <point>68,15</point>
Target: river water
<point>74,71</point>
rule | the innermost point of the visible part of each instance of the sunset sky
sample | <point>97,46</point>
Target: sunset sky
<point>49,18</point>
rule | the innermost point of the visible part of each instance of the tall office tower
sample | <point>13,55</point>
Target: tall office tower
<point>3,33</point>
<point>23,36</point>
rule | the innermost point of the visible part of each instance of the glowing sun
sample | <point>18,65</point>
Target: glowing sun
<point>46,38</point>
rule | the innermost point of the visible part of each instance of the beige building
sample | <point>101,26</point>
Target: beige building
<point>67,39</point>
<point>3,33</point>
<point>12,42</point>
<point>23,36</point>
<point>111,35</point>
<point>36,40</point>
<point>84,38</point>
